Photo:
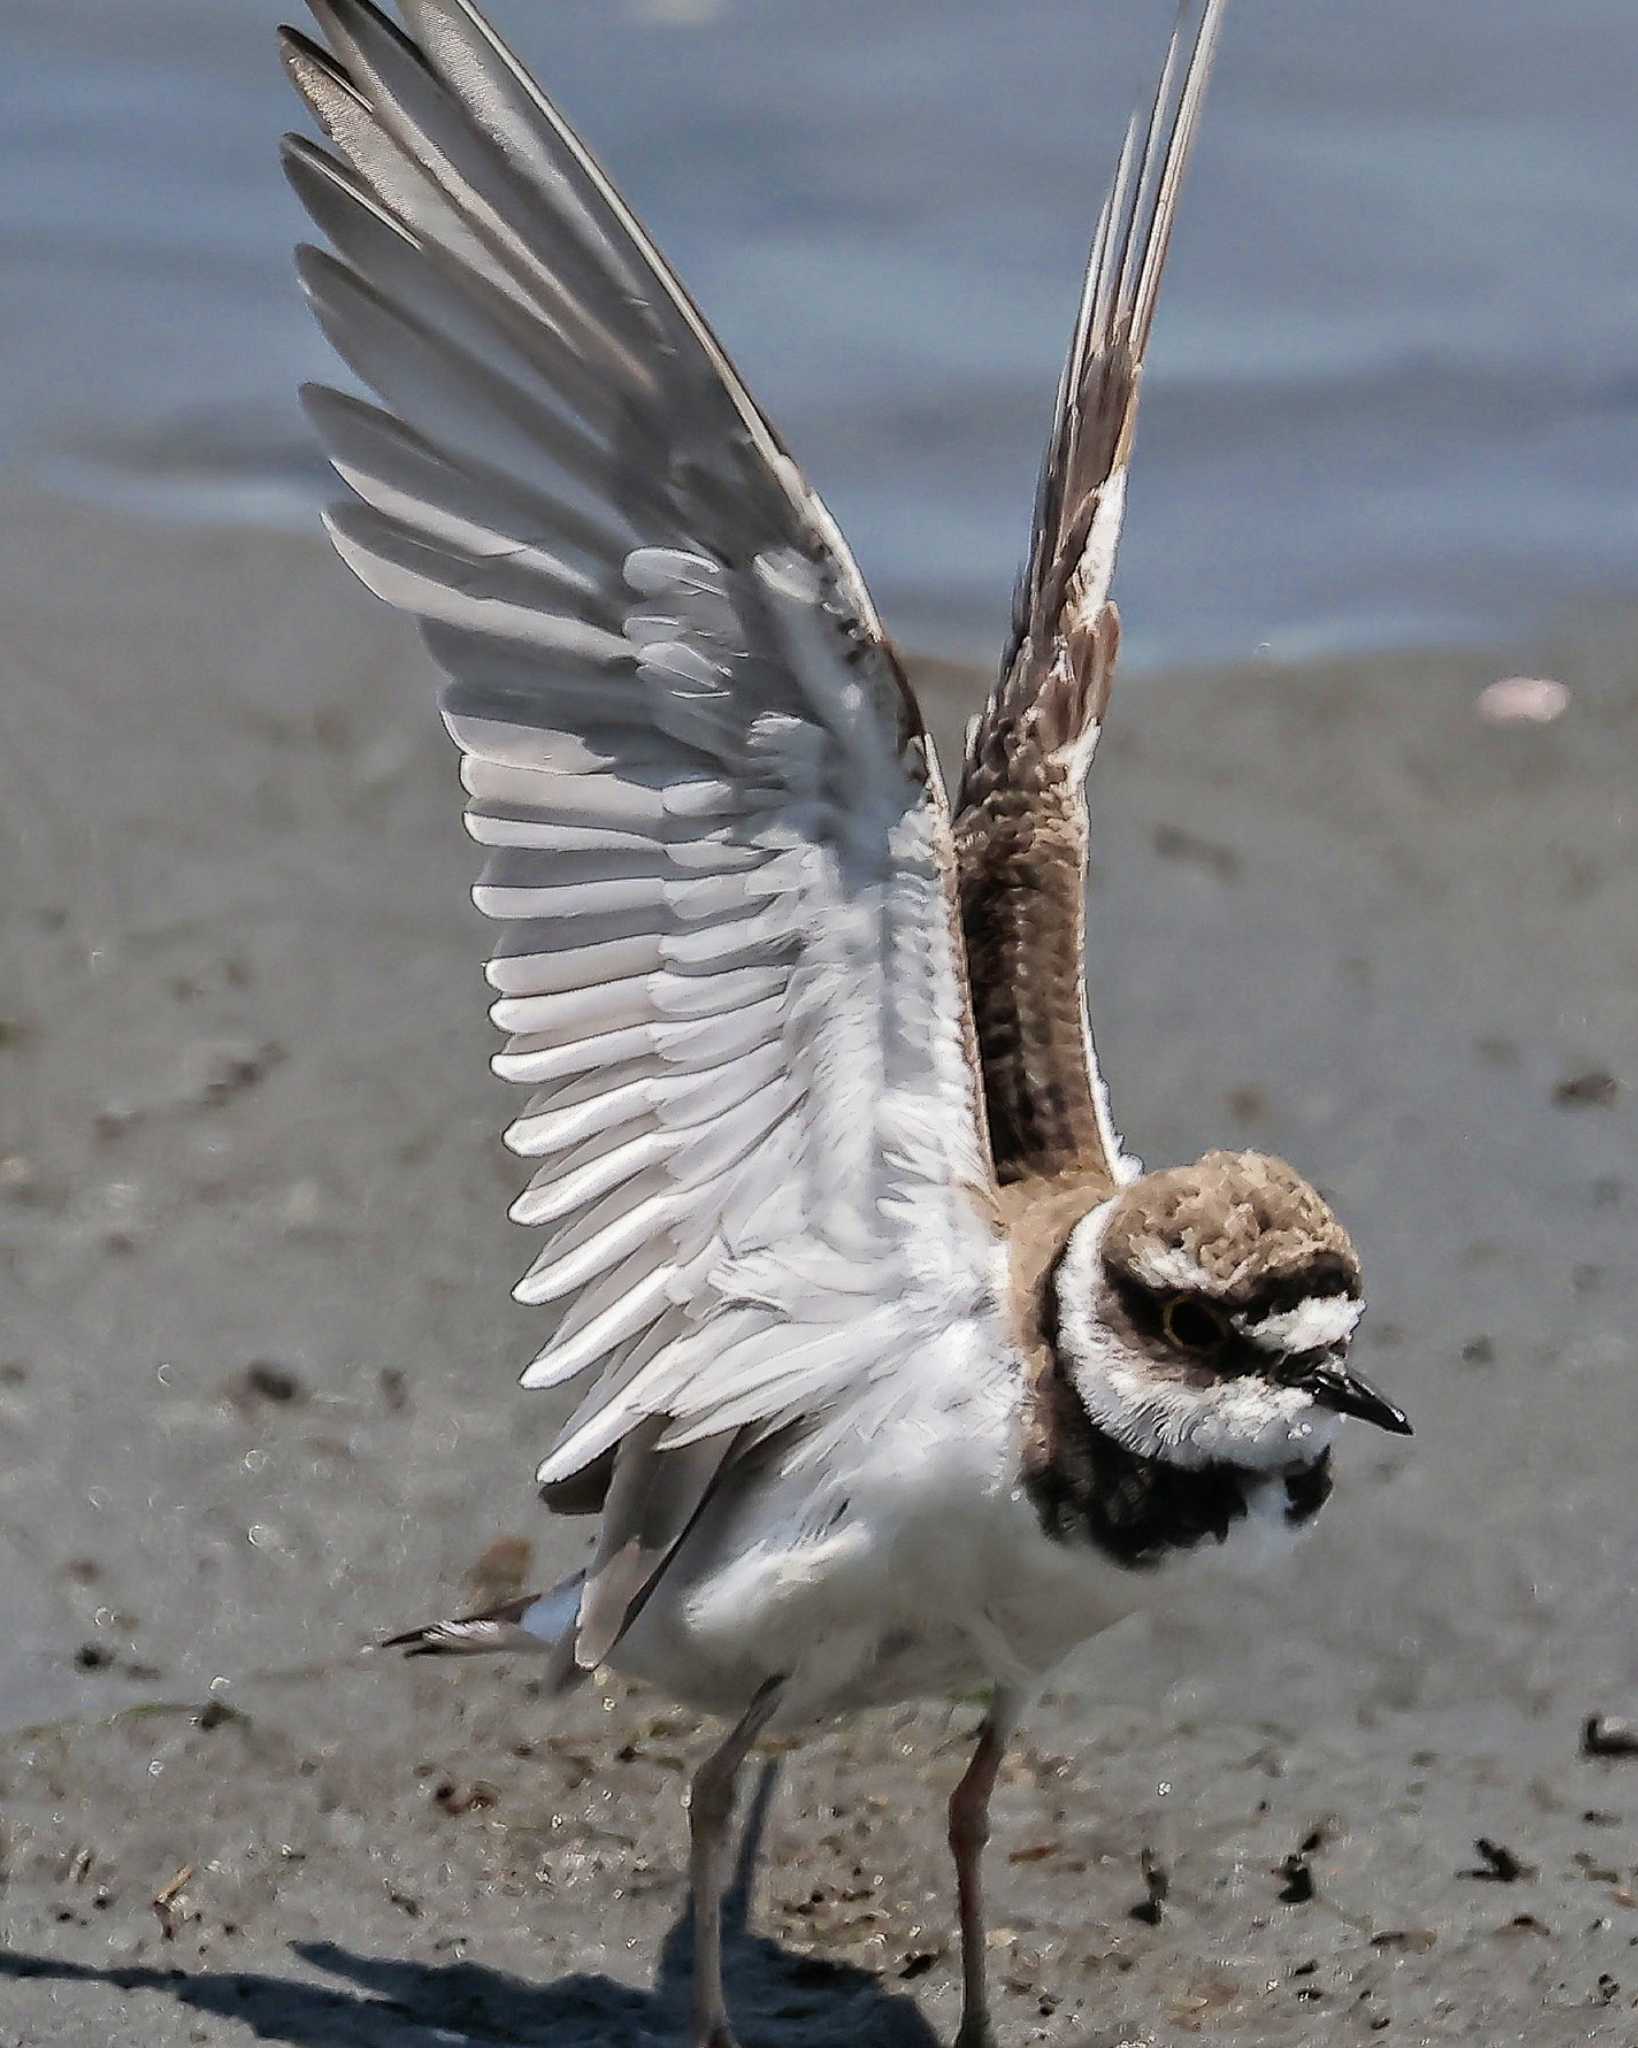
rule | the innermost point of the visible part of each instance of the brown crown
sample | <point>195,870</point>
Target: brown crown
<point>1247,1220</point>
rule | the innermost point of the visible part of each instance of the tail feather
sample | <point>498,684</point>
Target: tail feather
<point>541,1623</point>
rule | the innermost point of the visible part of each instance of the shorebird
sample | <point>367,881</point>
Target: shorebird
<point>903,1377</point>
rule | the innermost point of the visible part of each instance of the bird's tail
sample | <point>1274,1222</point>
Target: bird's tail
<point>542,1623</point>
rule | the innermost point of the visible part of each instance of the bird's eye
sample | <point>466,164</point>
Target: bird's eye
<point>1191,1325</point>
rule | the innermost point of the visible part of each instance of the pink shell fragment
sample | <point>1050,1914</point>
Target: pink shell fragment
<point>1523,700</point>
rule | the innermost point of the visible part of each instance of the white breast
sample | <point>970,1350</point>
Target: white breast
<point>916,1569</point>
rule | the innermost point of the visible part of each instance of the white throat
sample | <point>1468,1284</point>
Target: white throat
<point>1246,1421</point>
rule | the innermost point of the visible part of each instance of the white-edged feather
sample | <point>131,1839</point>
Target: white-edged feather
<point>720,852</point>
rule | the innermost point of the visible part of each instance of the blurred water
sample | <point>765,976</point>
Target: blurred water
<point>1395,386</point>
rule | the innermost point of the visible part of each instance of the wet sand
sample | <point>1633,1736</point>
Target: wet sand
<point>257,1368</point>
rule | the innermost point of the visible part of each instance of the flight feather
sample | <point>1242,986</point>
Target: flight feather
<point>729,964</point>
<point>1022,826</point>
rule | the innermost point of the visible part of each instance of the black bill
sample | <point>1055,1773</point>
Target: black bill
<point>1333,1386</point>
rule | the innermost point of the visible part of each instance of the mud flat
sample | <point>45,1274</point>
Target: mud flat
<point>257,1401</point>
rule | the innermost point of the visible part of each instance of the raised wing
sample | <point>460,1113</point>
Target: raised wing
<point>730,961</point>
<point>1022,828</point>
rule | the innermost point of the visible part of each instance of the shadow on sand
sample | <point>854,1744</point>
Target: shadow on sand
<point>774,1994</point>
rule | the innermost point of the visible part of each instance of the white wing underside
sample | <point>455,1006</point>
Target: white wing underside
<point>717,845</point>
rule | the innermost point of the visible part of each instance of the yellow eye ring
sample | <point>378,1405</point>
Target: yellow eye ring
<point>1192,1324</point>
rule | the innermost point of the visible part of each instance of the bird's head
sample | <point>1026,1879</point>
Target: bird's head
<point>1206,1313</point>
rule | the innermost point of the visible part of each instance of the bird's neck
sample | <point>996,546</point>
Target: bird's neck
<point>1136,1509</point>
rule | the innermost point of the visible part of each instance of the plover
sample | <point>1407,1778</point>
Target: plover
<point>902,1376</point>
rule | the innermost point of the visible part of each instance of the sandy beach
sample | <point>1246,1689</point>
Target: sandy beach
<point>258,1402</point>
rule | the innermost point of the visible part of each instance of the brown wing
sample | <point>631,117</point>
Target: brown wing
<point>1022,830</point>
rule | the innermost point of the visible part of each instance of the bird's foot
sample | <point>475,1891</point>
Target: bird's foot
<point>976,2031</point>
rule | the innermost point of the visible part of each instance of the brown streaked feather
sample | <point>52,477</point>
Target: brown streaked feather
<point>1039,1217</point>
<point>1021,849</point>
<point>1243,1220</point>
<point>1096,414</point>
<point>1022,830</point>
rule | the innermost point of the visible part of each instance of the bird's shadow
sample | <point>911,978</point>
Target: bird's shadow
<point>774,1994</point>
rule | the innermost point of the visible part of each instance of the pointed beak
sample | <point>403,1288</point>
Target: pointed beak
<point>1332,1386</point>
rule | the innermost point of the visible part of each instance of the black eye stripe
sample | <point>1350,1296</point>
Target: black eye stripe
<point>1141,1305</point>
<point>1327,1280</point>
<point>1232,1355</point>
<point>1146,1305</point>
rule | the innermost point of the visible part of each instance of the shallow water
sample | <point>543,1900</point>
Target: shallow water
<point>1394,394</point>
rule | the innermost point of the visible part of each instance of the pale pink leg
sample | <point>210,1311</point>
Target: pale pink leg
<point>710,1809</point>
<point>969,1831</point>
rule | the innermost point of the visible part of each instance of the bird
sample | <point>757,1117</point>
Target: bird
<point>899,1375</point>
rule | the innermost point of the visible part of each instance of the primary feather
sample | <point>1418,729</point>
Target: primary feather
<point>1022,829</point>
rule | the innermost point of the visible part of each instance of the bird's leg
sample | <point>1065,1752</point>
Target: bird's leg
<point>710,1809</point>
<point>969,1831</point>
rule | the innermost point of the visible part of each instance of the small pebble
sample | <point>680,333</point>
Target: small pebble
<point>269,1382</point>
<point>1523,700</point>
<point>1497,1865</point>
<point>1593,1089</point>
<point>1158,1881</point>
<point>1604,1735</point>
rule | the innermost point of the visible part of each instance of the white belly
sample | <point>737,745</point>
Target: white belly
<point>881,1609</point>
<point>901,1604</point>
